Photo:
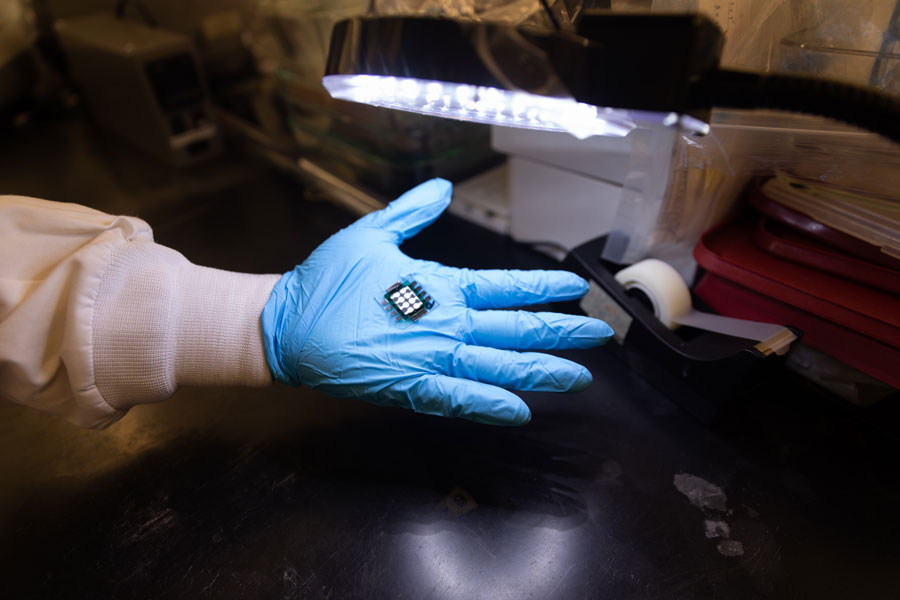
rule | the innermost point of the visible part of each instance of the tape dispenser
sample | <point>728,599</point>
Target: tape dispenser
<point>700,360</point>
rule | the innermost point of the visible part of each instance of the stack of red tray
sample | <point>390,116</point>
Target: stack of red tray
<point>780,266</point>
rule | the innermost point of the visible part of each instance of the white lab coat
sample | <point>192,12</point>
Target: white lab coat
<point>95,317</point>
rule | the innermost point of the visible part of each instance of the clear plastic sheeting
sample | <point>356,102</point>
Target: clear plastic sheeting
<point>678,186</point>
<point>511,12</point>
<point>557,13</point>
<point>385,151</point>
<point>856,41</point>
<point>763,142</point>
<point>640,228</point>
<point>295,34</point>
<point>698,180</point>
<point>676,192</point>
<point>847,40</point>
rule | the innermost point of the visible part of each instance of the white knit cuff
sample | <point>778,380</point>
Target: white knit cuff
<point>161,322</point>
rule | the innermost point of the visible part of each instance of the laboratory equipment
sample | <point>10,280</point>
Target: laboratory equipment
<point>407,301</point>
<point>143,84</point>
<point>607,76</point>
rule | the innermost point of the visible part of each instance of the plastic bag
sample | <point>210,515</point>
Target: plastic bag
<point>513,12</point>
<point>677,187</point>
<point>850,40</point>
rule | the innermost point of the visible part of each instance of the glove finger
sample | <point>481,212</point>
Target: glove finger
<point>479,402</point>
<point>523,330</point>
<point>413,211</point>
<point>531,371</point>
<point>498,288</point>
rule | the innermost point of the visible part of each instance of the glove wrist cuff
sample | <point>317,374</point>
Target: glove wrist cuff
<point>274,317</point>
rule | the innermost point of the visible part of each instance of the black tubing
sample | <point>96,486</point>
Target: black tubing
<point>857,105</point>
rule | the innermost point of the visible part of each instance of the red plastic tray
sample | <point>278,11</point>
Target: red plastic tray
<point>780,240</point>
<point>814,229</point>
<point>729,251</point>
<point>868,355</point>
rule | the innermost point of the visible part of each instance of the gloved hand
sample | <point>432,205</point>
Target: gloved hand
<point>324,327</point>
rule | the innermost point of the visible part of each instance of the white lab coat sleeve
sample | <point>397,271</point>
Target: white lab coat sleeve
<point>95,317</point>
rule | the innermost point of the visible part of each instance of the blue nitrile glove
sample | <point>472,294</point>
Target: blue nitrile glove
<point>324,327</point>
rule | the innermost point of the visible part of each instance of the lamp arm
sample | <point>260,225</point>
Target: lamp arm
<point>864,107</point>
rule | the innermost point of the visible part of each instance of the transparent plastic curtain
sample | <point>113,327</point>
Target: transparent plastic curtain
<point>850,40</point>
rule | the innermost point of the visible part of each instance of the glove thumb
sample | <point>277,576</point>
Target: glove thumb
<point>413,211</point>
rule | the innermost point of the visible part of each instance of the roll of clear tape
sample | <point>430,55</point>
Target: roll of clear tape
<point>671,301</point>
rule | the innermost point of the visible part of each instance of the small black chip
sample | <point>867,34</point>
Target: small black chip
<point>407,301</point>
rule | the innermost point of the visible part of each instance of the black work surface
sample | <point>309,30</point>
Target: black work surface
<point>285,493</point>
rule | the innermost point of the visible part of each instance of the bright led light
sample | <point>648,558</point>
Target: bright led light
<point>492,105</point>
<point>409,89</point>
<point>433,92</point>
<point>519,105</point>
<point>464,94</point>
<point>381,87</point>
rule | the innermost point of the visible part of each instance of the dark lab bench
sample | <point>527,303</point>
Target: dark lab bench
<point>286,493</point>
